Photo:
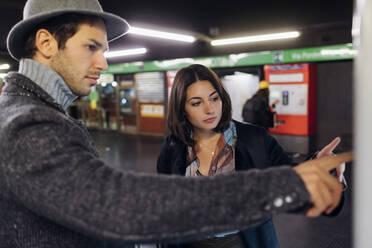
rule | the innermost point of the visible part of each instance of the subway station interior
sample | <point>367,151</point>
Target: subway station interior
<point>311,74</point>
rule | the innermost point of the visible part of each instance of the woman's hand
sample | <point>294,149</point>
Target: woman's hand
<point>328,150</point>
<point>325,189</point>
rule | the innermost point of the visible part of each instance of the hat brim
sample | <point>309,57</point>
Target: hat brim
<point>115,26</point>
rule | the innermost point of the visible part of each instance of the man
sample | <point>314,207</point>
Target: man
<point>56,192</point>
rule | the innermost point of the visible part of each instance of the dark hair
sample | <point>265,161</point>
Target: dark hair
<point>176,116</point>
<point>62,27</point>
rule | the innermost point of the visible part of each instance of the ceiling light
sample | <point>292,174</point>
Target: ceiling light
<point>161,34</point>
<point>4,66</point>
<point>255,38</point>
<point>126,52</point>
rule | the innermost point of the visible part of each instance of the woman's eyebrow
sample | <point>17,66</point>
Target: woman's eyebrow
<point>213,93</point>
<point>199,98</point>
<point>194,98</point>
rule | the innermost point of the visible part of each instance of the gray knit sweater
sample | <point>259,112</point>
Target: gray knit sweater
<point>56,192</point>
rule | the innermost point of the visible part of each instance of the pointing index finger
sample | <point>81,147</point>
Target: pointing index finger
<point>331,162</point>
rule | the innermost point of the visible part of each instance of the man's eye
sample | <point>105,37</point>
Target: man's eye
<point>92,47</point>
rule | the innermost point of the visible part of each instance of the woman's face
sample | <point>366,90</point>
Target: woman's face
<point>203,106</point>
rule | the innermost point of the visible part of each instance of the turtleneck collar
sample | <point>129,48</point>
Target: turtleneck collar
<point>48,80</point>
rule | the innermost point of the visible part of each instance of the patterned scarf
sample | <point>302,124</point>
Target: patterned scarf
<point>223,160</point>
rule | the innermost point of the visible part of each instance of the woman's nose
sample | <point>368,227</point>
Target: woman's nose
<point>209,107</point>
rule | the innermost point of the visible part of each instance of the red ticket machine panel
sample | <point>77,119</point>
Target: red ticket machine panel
<point>293,86</point>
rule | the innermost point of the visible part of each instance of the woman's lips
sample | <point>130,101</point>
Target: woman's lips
<point>210,120</point>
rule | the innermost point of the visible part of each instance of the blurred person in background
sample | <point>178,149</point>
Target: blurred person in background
<point>257,111</point>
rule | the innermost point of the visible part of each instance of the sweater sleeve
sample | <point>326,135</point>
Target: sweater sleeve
<point>51,170</point>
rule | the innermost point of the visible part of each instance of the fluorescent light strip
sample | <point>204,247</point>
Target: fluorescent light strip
<point>4,66</point>
<point>161,34</point>
<point>247,39</point>
<point>127,52</point>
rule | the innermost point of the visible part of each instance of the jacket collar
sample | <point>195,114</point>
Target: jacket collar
<point>49,80</point>
<point>17,84</point>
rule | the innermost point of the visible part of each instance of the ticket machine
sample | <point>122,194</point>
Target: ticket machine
<point>294,85</point>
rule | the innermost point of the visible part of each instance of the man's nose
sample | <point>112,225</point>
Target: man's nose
<point>101,62</point>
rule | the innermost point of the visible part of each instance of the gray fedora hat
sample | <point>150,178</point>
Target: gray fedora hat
<point>38,11</point>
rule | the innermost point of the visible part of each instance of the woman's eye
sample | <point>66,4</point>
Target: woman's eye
<point>194,104</point>
<point>215,99</point>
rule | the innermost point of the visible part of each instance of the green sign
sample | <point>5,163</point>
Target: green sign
<point>328,53</point>
<point>94,95</point>
<point>325,53</point>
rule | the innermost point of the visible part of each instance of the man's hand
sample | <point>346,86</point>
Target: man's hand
<point>325,189</point>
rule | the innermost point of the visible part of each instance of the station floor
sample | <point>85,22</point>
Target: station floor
<point>139,153</point>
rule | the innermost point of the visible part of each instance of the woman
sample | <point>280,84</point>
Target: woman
<point>204,141</point>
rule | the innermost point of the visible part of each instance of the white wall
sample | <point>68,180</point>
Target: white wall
<point>240,88</point>
<point>362,166</point>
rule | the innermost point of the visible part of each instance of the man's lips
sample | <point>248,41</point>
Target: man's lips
<point>210,120</point>
<point>92,79</point>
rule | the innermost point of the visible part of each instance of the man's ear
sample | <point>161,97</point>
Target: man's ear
<point>45,43</point>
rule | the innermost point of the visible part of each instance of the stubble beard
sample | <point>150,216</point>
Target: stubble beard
<point>65,71</point>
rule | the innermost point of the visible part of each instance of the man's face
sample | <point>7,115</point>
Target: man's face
<point>81,61</point>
